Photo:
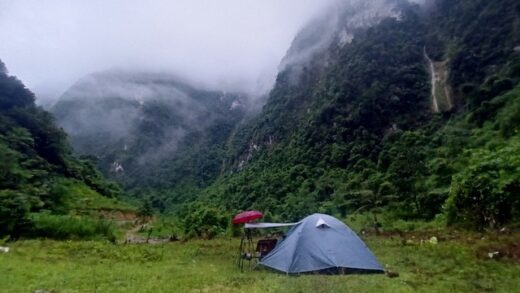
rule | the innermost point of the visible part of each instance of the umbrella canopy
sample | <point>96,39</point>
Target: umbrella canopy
<point>246,217</point>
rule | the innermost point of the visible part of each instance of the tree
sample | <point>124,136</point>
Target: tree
<point>14,211</point>
<point>486,193</point>
<point>145,211</point>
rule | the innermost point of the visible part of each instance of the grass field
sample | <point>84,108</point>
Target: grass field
<point>458,263</point>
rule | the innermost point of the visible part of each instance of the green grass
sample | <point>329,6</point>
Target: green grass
<point>163,227</point>
<point>72,227</point>
<point>361,221</point>
<point>79,196</point>
<point>207,266</point>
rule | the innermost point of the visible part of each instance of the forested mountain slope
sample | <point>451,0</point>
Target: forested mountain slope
<point>151,132</point>
<point>38,172</point>
<point>351,127</point>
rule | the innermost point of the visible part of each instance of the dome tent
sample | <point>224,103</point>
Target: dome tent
<point>321,242</point>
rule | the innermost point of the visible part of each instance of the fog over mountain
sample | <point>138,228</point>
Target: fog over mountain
<point>231,45</point>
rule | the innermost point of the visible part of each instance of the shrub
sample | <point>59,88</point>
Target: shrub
<point>486,193</point>
<point>14,209</point>
<point>165,226</point>
<point>202,220</point>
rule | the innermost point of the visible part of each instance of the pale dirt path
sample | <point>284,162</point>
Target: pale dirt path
<point>440,88</point>
<point>132,235</point>
<point>435,105</point>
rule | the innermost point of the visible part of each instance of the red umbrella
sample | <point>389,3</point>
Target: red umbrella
<point>248,216</point>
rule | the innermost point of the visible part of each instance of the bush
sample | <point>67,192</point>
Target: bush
<point>71,227</point>
<point>486,193</point>
<point>202,220</point>
<point>14,210</point>
<point>165,226</point>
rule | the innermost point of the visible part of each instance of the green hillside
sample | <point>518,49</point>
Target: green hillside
<point>39,176</point>
<point>358,134</point>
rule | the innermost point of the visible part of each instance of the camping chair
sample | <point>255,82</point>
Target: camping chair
<point>264,246</point>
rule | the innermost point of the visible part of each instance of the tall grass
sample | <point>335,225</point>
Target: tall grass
<point>71,227</point>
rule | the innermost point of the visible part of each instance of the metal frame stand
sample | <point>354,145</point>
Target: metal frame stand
<point>247,250</point>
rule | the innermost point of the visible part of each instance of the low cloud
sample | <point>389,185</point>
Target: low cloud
<point>227,44</point>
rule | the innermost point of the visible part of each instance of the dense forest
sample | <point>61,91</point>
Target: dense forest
<point>358,134</point>
<point>41,182</point>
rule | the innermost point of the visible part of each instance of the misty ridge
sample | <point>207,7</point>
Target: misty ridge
<point>230,45</point>
<point>336,27</point>
<point>134,90</point>
<point>147,115</point>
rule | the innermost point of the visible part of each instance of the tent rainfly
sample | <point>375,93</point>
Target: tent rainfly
<point>320,242</point>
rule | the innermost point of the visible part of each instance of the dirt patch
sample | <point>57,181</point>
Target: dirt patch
<point>503,251</point>
<point>110,214</point>
<point>117,215</point>
<point>133,237</point>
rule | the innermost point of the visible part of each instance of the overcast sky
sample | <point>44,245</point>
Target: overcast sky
<point>49,44</point>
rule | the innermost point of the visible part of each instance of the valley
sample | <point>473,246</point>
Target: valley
<point>399,118</point>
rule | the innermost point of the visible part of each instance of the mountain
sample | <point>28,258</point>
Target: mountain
<point>406,109</point>
<point>353,125</point>
<point>151,132</point>
<point>38,172</point>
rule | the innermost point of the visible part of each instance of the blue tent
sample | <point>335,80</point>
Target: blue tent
<point>321,242</point>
